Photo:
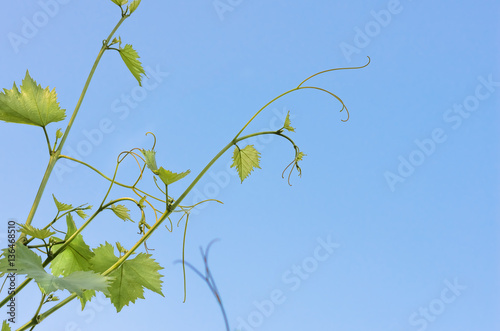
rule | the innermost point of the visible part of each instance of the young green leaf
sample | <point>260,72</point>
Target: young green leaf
<point>287,125</point>
<point>116,41</point>
<point>61,206</point>
<point>141,202</point>
<point>169,177</point>
<point>76,257</point>
<point>130,278</point>
<point>30,264</point>
<point>32,105</point>
<point>34,232</point>
<point>122,212</point>
<point>5,326</point>
<point>130,57</point>
<point>299,157</point>
<point>133,6</point>
<point>120,2</point>
<point>59,134</point>
<point>81,213</point>
<point>120,248</point>
<point>245,160</point>
<point>150,157</point>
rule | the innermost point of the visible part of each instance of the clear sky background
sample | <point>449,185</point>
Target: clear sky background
<point>407,189</point>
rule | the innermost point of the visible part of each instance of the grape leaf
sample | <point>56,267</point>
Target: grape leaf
<point>150,157</point>
<point>287,125</point>
<point>61,206</point>
<point>298,158</point>
<point>245,160</point>
<point>76,256</point>
<point>130,57</point>
<point>133,6</point>
<point>120,2</point>
<point>169,177</point>
<point>30,264</point>
<point>81,213</point>
<point>34,232</point>
<point>32,105</point>
<point>141,202</point>
<point>130,278</point>
<point>86,297</point>
<point>122,212</point>
<point>5,326</point>
<point>120,248</point>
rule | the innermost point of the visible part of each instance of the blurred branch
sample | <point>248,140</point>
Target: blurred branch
<point>208,278</point>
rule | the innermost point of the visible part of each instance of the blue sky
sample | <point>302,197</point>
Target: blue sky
<point>394,225</point>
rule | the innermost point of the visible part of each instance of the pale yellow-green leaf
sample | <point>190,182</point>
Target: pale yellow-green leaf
<point>6,326</point>
<point>133,6</point>
<point>122,212</point>
<point>169,177</point>
<point>120,2</point>
<point>31,105</point>
<point>34,232</point>
<point>131,59</point>
<point>245,160</point>
<point>287,125</point>
<point>61,206</point>
<point>150,157</point>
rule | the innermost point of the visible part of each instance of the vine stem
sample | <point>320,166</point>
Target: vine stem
<point>63,247</point>
<point>107,178</point>
<point>299,87</point>
<point>60,304</point>
<point>167,213</point>
<point>47,138</point>
<point>176,203</point>
<point>55,155</point>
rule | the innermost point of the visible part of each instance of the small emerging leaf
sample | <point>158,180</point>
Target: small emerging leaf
<point>245,160</point>
<point>61,206</point>
<point>130,57</point>
<point>81,213</point>
<point>122,212</point>
<point>133,6</point>
<point>32,105</point>
<point>169,177</point>
<point>34,232</point>
<point>299,157</point>
<point>150,157</point>
<point>116,41</point>
<point>120,2</point>
<point>287,125</point>
<point>120,248</point>
<point>59,134</point>
<point>141,202</point>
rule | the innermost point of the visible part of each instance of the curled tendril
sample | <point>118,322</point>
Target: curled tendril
<point>154,143</point>
<point>299,87</point>
<point>298,157</point>
<point>186,212</point>
<point>334,69</point>
<point>333,95</point>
